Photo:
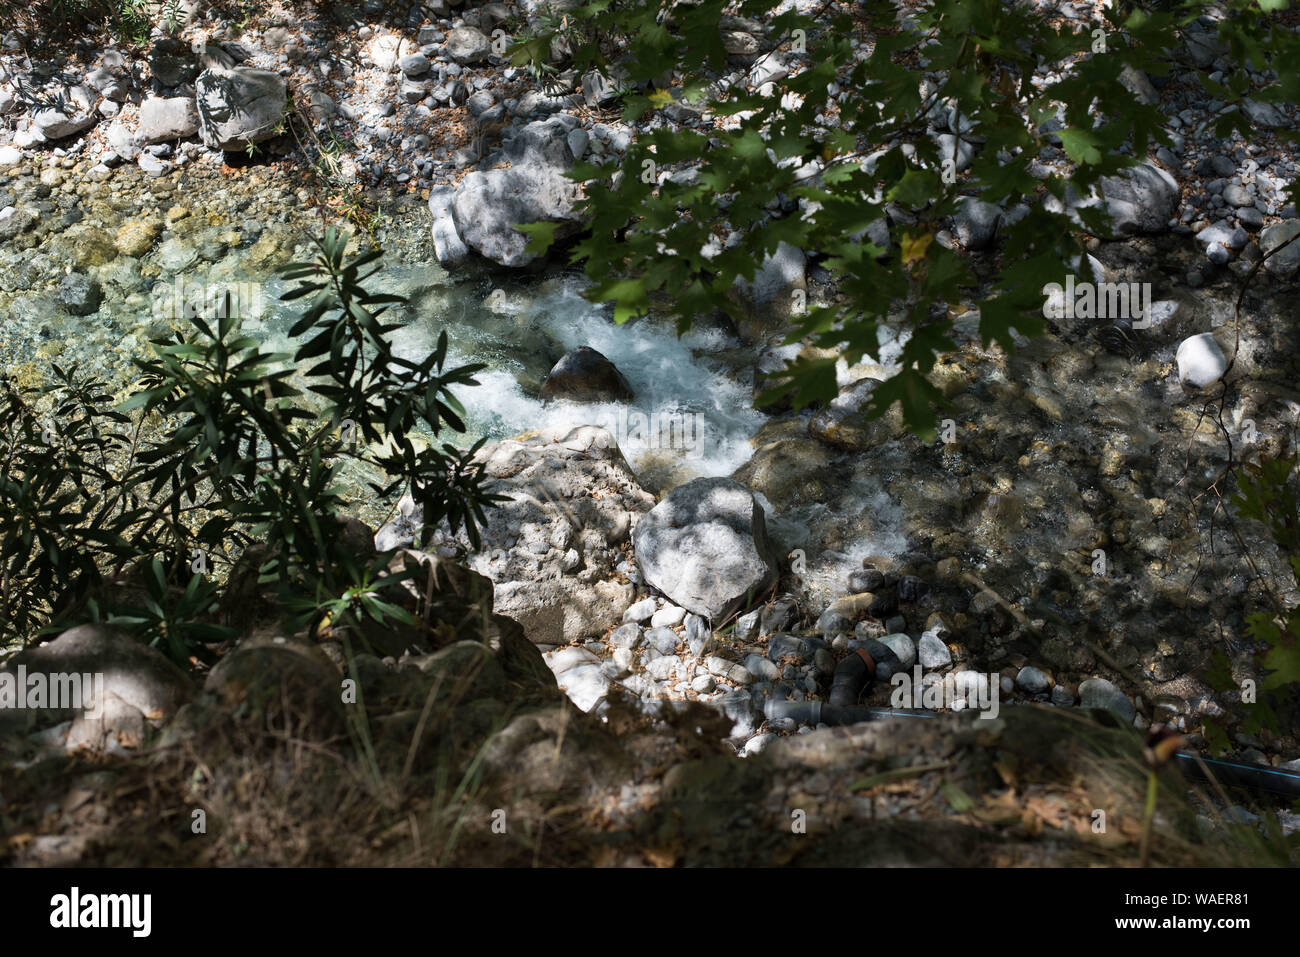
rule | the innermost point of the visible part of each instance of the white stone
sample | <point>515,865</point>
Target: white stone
<point>667,616</point>
<point>1201,362</point>
<point>565,658</point>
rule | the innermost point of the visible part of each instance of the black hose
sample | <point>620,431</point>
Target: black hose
<point>857,670</point>
<point>850,675</point>
<point>1253,777</point>
<point>816,712</point>
<point>854,672</point>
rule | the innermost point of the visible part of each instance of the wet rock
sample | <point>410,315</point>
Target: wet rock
<point>789,472</point>
<point>866,579</point>
<point>832,621</point>
<point>80,294</point>
<point>844,423</point>
<point>912,589</point>
<point>585,375</point>
<point>1201,362</point>
<point>135,237</point>
<point>705,546</point>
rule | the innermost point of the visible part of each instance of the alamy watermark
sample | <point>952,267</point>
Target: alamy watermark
<point>1099,300</point>
<point>956,692</point>
<point>75,910</point>
<point>57,690</point>
<point>203,300</point>
<point>637,432</point>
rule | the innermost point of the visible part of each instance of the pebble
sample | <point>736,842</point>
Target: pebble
<point>1100,693</point>
<point>663,640</point>
<point>661,669</point>
<point>697,634</point>
<point>932,652</point>
<point>746,625</point>
<point>760,667</point>
<point>640,611</point>
<point>625,636</point>
<point>667,616</point>
<point>1200,361</point>
<point>1033,680</point>
<point>904,647</point>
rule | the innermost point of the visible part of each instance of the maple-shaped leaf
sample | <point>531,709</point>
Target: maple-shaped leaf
<point>914,246</point>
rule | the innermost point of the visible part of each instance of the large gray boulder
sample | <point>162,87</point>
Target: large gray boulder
<point>489,204</point>
<point>705,546</point>
<point>1142,199</point>
<point>239,106</point>
<point>166,118</point>
<point>57,124</point>
<point>125,688</point>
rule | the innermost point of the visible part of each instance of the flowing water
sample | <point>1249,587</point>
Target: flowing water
<point>1062,449</point>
